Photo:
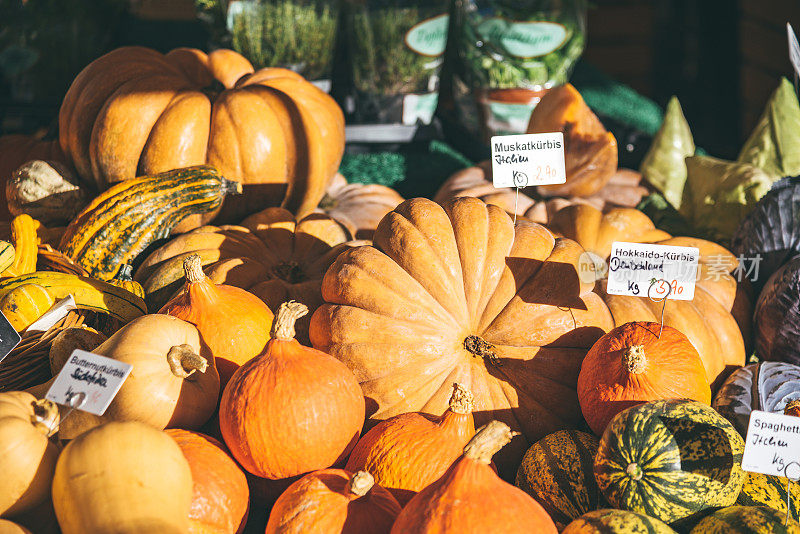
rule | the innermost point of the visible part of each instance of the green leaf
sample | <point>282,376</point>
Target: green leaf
<point>774,144</point>
<point>718,194</point>
<point>664,166</point>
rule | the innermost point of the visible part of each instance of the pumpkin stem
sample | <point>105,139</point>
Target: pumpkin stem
<point>461,401</point>
<point>792,408</point>
<point>231,187</point>
<point>360,483</point>
<point>45,417</point>
<point>183,361</point>
<point>288,314</point>
<point>481,349</point>
<point>193,269</point>
<point>634,359</point>
<point>489,439</point>
<point>125,272</point>
<point>634,471</point>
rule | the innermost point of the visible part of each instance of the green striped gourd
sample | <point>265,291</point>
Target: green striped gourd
<point>670,459</point>
<point>557,472</point>
<point>608,521</point>
<point>769,490</point>
<point>6,255</point>
<point>746,520</point>
<point>124,220</point>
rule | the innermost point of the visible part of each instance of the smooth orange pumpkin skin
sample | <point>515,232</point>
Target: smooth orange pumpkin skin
<point>590,152</point>
<point>135,111</point>
<point>669,368</point>
<point>232,322</point>
<point>470,497</point>
<point>220,495</point>
<point>320,502</point>
<point>291,410</point>
<point>408,452</point>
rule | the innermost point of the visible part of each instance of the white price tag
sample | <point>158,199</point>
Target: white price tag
<point>9,337</point>
<point>773,445</point>
<point>794,50</point>
<point>528,159</point>
<point>59,310</point>
<point>95,378</point>
<point>654,271</point>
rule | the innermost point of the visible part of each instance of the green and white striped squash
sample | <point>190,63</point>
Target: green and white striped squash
<point>767,386</point>
<point>746,520</point>
<point>670,459</point>
<point>768,490</point>
<point>608,521</point>
<point>557,472</point>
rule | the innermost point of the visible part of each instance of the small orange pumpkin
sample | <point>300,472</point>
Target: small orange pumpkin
<point>292,409</point>
<point>470,497</point>
<point>635,363</point>
<point>333,501</point>
<point>407,452</point>
<point>232,322</point>
<point>220,496</point>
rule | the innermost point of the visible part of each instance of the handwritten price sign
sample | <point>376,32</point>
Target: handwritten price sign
<point>655,271</point>
<point>96,379</point>
<point>773,445</point>
<point>527,160</point>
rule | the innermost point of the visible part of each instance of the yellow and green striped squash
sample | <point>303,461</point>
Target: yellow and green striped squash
<point>670,459</point>
<point>608,521</point>
<point>24,304</point>
<point>746,520</point>
<point>557,472</point>
<point>768,490</point>
<point>6,255</point>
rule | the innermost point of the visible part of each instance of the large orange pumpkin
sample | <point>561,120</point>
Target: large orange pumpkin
<point>459,294</point>
<point>135,111</point>
<point>636,363</point>
<point>220,496</point>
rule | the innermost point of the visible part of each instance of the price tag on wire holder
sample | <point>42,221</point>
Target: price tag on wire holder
<point>88,382</point>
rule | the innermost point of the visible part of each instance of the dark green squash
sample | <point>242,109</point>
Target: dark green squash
<point>557,472</point>
<point>776,318</point>
<point>746,520</point>
<point>609,521</point>
<point>124,220</point>
<point>768,386</point>
<point>669,459</point>
<point>769,490</point>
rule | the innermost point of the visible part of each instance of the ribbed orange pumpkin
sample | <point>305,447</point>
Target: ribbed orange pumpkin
<point>292,409</point>
<point>633,364</point>
<point>407,452</point>
<point>232,322</point>
<point>333,501</point>
<point>135,111</point>
<point>470,497</point>
<point>220,496</point>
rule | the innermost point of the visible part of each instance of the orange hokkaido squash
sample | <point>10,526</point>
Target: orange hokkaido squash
<point>220,496</point>
<point>470,497</point>
<point>637,363</point>
<point>232,322</point>
<point>334,501</point>
<point>292,409</point>
<point>135,111</point>
<point>590,152</point>
<point>407,452</point>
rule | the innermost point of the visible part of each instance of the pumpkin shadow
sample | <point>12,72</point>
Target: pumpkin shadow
<point>551,283</point>
<point>254,198</point>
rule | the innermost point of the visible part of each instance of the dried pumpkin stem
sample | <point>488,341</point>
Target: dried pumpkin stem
<point>489,439</point>
<point>193,269</point>
<point>634,359</point>
<point>360,483</point>
<point>287,316</point>
<point>45,417</point>
<point>184,361</point>
<point>792,408</point>
<point>461,401</point>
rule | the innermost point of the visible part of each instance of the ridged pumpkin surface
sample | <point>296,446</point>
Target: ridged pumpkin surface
<point>359,207</point>
<point>769,490</point>
<point>334,501</point>
<point>408,452</point>
<point>459,294</point>
<point>609,521</point>
<point>220,496</point>
<point>669,459</point>
<point>746,520</point>
<point>557,472</point>
<point>135,111</point>
<point>636,363</point>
